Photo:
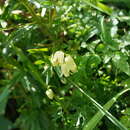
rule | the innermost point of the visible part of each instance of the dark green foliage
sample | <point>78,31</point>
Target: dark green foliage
<point>95,33</point>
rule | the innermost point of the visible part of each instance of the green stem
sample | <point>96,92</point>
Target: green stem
<point>16,26</point>
<point>31,10</point>
<point>38,20</point>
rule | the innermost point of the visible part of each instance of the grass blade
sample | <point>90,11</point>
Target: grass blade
<point>102,110</point>
<point>100,7</point>
<point>4,95</point>
<point>99,115</point>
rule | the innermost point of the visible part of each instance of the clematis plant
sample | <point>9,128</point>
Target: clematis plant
<point>57,58</point>
<point>66,63</point>
<point>68,66</point>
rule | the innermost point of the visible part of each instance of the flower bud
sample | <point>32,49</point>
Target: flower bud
<point>50,94</point>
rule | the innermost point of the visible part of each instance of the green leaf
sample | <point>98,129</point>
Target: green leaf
<point>5,124</point>
<point>39,62</point>
<point>6,91</point>
<point>94,60</point>
<point>91,32</point>
<point>106,36</point>
<point>37,50</point>
<point>126,82</point>
<point>120,61</point>
<point>121,3</point>
<point>125,119</point>
<point>3,99</point>
<point>34,119</point>
<point>32,69</point>
<point>100,6</point>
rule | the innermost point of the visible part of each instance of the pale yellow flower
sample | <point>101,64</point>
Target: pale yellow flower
<point>65,70</point>
<point>70,63</point>
<point>68,66</point>
<point>50,93</point>
<point>57,58</point>
<point>67,63</point>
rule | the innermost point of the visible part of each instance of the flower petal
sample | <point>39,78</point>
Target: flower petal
<point>57,58</point>
<point>65,70</point>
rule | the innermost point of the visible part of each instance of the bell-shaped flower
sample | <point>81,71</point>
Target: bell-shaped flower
<point>71,64</point>
<point>68,66</point>
<point>65,70</point>
<point>57,58</point>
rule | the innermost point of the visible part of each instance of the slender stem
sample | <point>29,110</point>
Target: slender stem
<point>38,20</point>
<point>16,26</point>
<point>30,9</point>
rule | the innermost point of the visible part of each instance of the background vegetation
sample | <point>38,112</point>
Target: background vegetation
<point>35,94</point>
